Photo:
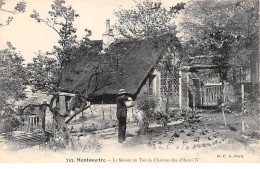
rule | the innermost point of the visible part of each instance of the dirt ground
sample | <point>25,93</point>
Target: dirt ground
<point>207,139</point>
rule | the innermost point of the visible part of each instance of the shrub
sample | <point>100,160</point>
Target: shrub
<point>147,105</point>
<point>186,110</point>
<point>9,124</point>
<point>161,117</point>
<point>92,144</point>
<point>177,113</point>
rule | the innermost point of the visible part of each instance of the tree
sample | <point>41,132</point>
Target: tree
<point>224,29</point>
<point>12,78</point>
<point>148,18</point>
<point>60,20</point>
<point>43,72</point>
<point>19,8</point>
<point>12,72</point>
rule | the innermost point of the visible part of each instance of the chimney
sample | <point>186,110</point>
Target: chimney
<point>107,26</point>
<point>108,36</point>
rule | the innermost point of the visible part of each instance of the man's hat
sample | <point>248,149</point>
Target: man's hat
<point>122,91</point>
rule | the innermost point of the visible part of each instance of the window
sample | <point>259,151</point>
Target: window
<point>151,85</point>
<point>37,120</point>
<point>170,84</point>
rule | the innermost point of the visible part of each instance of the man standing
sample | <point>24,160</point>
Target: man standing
<point>121,114</point>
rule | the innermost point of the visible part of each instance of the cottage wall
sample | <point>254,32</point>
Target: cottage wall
<point>174,98</point>
<point>197,93</point>
<point>151,87</point>
<point>185,88</point>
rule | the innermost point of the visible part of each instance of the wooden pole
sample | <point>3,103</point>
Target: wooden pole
<point>242,100</point>
<point>243,126</point>
<point>82,116</point>
<point>53,127</point>
<point>180,90</point>
<point>187,93</point>
<point>194,99</point>
<point>225,121</point>
<point>110,112</point>
<point>62,102</point>
<point>224,93</point>
<point>242,96</point>
<point>103,110</point>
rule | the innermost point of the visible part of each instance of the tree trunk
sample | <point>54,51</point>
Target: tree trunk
<point>143,127</point>
<point>43,120</point>
<point>61,119</point>
<point>63,127</point>
<point>223,92</point>
<point>42,116</point>
<point>53,129</point>
<point>167,104</point>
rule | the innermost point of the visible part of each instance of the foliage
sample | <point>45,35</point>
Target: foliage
<point>60,20</point>
<point>19,8</point>
<point>177,113</point>
<point>12,77</point>
<point>148,106</point>
<point>251,108</point>
<point>43,72</point>
<point>93,144</point>
<point>9,124</point>
<point>148,18</point>
<point>227,30</point>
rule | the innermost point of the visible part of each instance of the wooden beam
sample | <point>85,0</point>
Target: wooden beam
<point>62,102</point>
<point>66,94</point>
<point>199,67</point>
<point>180,90</point>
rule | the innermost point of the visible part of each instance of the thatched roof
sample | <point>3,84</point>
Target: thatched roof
<point>201,60</point>
<point>135,59</point>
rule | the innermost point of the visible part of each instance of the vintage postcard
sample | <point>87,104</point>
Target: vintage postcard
<point>145,81</point>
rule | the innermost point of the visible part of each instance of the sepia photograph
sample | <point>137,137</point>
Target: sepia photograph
<point>129,81</point>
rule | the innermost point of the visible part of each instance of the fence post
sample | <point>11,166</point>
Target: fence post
<point>82,122</point>
<point>242,96</point>
<point>180,90</point>
<point>242,100</point>
<point>103,110</point>
<point>110,112</point>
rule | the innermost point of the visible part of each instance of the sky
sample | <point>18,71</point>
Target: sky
<point>29,37</point>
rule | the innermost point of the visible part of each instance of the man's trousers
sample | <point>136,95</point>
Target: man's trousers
<point>121,129</point>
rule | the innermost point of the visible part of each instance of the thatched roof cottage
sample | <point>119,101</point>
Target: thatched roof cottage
<point>139,65</point>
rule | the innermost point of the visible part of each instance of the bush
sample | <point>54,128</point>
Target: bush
<point>92,144</point>
<point>177,113</point>
<point>174,113</point>
<point>161,117</point>
<point>186,110</point>
<point>147,105</point>
<point>9,124</point>
<point>234,106</point>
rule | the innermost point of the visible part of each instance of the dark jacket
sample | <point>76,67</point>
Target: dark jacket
<point>121,108</point>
